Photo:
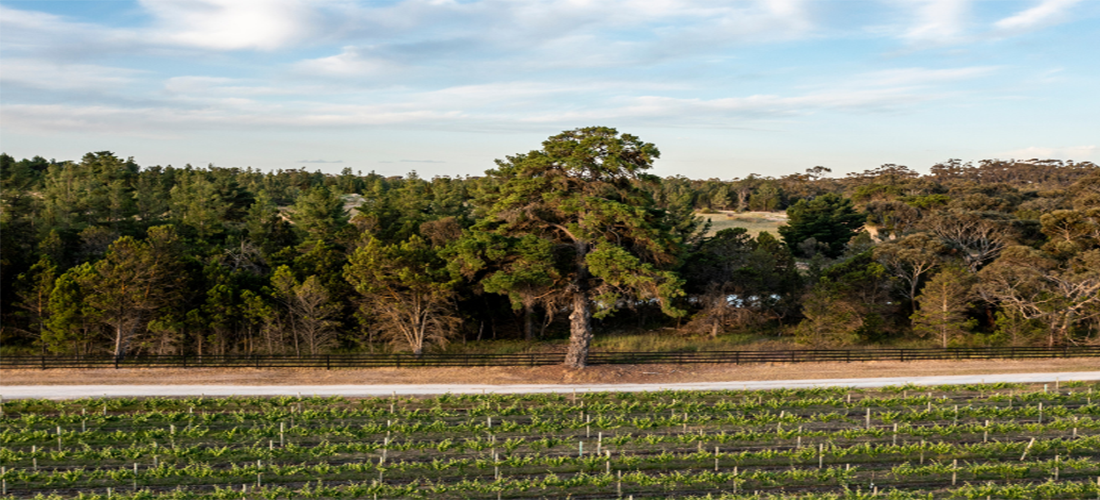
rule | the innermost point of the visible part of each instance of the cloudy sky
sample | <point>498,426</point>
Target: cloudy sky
<point>443,87</point>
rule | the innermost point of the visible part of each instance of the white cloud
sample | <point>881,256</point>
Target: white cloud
<point>207,86</point>
<point>1047,12</point>
<point>921,76</point>
<point>739,111</point>
<point>230,24</point>
<point>937,21</point>
<point>494,34</point>
<point>45,75</point>
<point>55,38</point>
<point>200,103</point>
<point>352,61</point>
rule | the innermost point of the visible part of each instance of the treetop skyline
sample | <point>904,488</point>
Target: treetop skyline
<point>770,87</point>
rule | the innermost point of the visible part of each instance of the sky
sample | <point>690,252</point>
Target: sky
<point>724,89</point>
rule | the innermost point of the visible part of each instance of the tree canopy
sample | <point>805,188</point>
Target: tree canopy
<point>583,195</point>
<point>827,221</point>
<point>573,239</point>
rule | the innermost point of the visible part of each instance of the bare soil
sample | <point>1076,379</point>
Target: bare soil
<point>626,374</point>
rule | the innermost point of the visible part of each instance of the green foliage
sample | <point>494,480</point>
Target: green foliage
<point>577,225</point>
<point>1002,440</point>
<point>309,311</point>
<point>829,219</point>
<point>35,288</point>
<point>320,214</point>
<point>1037,287</point>
<point>850,303</point>
<point>944,303</point>
<point>580,193</point>
<point>928,201</point>
<point>132,281</point>
<point>740,281</point>
<point>406,290</point>
<point>72,323</point>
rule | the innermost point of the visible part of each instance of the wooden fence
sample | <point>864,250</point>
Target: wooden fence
<point>331,361</point>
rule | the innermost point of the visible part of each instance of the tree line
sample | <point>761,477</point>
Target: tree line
<point>105,256</point>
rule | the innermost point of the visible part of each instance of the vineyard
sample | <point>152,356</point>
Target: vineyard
<point>975,442</point>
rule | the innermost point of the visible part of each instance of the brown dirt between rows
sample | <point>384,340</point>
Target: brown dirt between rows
<point>603,374</point>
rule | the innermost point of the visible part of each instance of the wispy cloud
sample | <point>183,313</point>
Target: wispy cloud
<point>332,68</point>
<point>1047,12</point>
<point>938,22</point>
<point>38,74</point>
<point>494,106</point>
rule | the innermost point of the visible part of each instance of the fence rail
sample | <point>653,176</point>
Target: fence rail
<point>330,361</point>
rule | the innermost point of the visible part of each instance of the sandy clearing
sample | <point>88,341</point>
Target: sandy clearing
<point>80,391</point>
<point>604,374</point>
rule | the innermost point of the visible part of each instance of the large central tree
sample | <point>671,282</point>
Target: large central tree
<point>584,193</point>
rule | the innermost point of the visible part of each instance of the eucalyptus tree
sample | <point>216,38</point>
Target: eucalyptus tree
<point>584,194</point>
<point>1065,296</point>
<point>910,258</point>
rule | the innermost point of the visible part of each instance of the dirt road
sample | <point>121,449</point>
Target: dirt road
<point>79,391</point>
<point>603,374</point>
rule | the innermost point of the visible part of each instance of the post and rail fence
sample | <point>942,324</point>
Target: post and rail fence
<point>402,360</point>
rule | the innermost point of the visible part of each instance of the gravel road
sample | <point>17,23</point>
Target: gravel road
<point>80,391</point>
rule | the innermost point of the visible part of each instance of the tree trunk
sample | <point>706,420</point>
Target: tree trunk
<point>580,335</point>
<point>118,341</point>
<point>1062,335</point>
<point>580,324</point>
<point>720,304</point>
<point>529,322</point>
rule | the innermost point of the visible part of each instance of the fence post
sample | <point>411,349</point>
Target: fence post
<point>328,362</point>
<point>43,362</point>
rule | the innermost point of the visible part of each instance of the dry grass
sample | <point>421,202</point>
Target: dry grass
<point>539,375</point>
<point>754,222</point>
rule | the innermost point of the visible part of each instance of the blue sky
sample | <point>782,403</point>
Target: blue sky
<point>724,89</point>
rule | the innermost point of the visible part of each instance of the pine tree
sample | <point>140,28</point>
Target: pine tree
<point>943,304</point>
<point>134,279</point>
<point>829,219</point>
<point>582,193</point>
<point>406,290</point>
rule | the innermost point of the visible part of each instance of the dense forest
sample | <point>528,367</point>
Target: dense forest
<point>102,255</point>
